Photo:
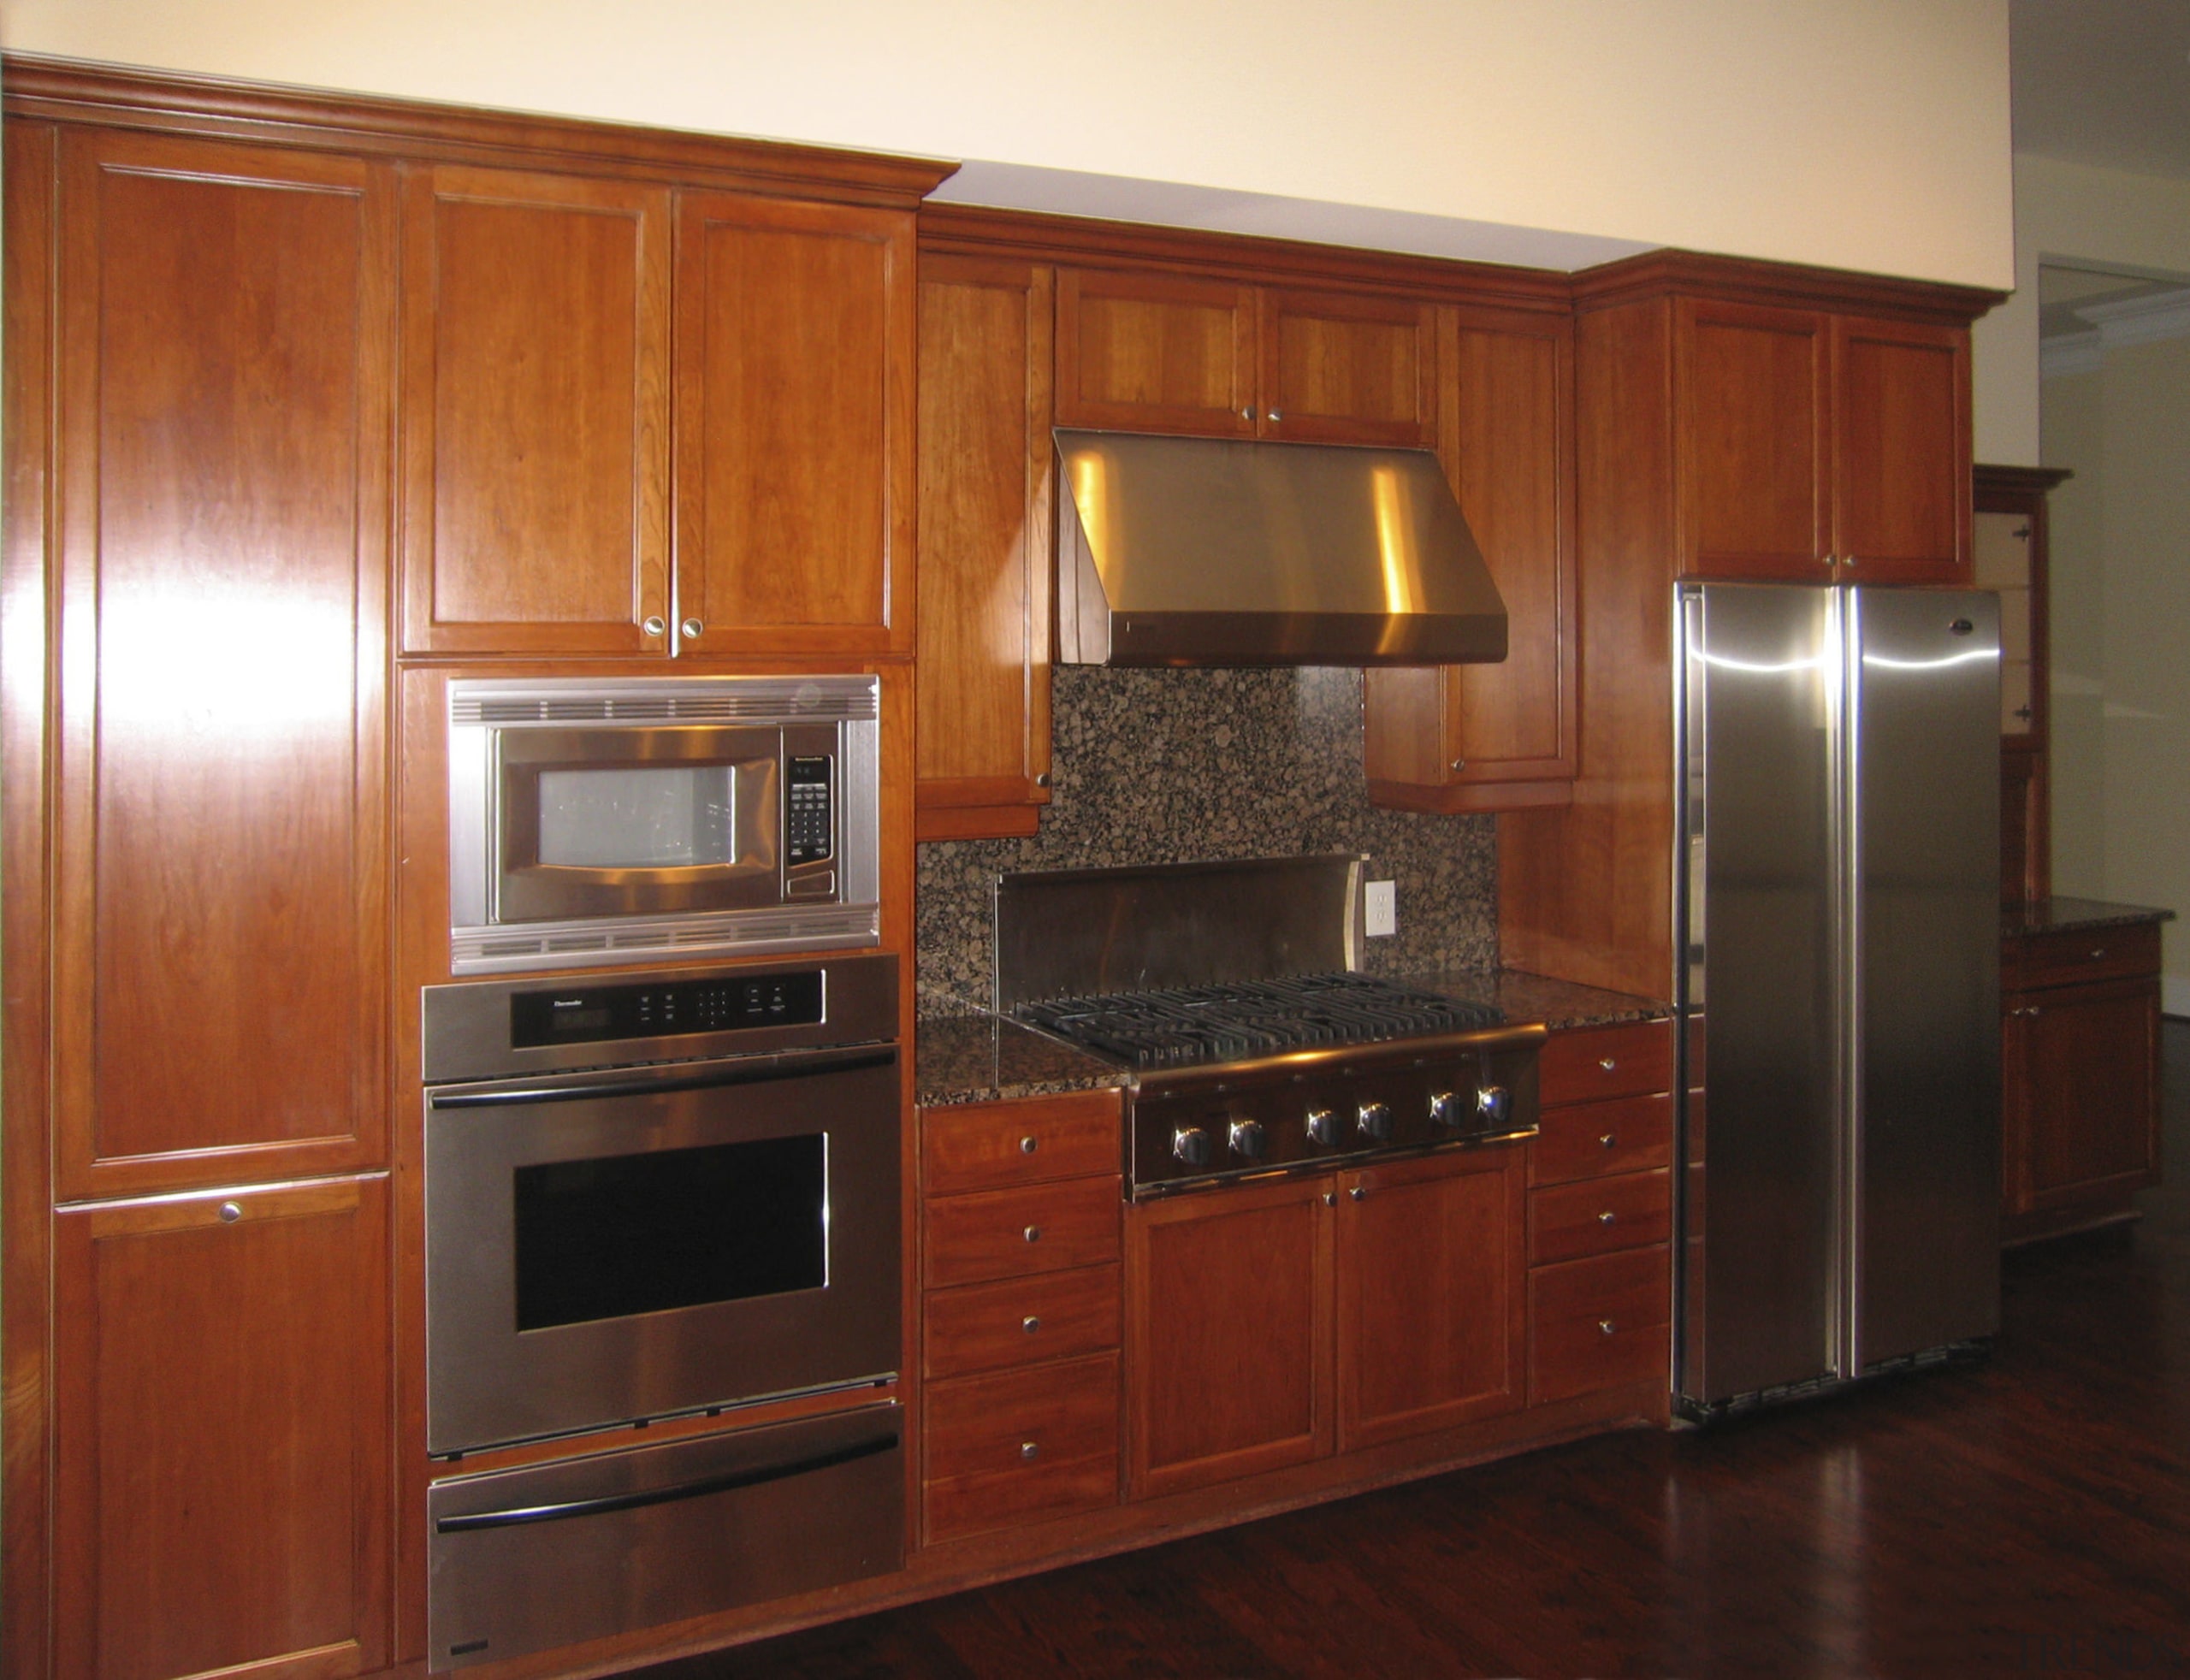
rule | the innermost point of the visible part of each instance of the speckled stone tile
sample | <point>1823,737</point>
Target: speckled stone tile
<point>1521,996</point>
<point>1177,766</point>
<point>986,1059</point>
<point>2075,915</point>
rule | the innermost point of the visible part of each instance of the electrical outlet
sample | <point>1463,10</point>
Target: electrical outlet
<point>1383,914</point>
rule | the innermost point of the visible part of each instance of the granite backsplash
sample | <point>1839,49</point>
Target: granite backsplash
<point>1174,767</point>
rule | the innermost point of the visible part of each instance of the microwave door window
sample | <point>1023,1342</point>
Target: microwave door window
<point>621,1235</point>
<point>669,817</point>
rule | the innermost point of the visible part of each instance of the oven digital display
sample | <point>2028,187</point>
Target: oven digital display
<point>621,1235</point>
<point>597,1013</point>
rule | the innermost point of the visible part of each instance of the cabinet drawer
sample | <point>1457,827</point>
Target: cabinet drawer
<point>994,1146</point>
<point>1632,1134</point>
<point>2063,959</point>
<point>1020,1446</point>
<point>1053,1315</point>
<point>1599,1216</point>
<point>1599,1061</point>
<point>1599,1323</point>
<point>1047,1227</point>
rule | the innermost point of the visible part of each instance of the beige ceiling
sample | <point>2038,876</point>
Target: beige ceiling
<point>2104,82</point>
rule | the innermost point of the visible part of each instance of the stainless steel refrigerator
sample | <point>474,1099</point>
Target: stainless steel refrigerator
<point>1838,805</point>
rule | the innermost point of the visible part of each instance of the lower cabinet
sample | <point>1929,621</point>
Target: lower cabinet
<point>222,1423</point>
<point>1271,1324</point>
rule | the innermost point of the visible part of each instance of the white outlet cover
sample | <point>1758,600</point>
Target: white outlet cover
<point>1382,909</point>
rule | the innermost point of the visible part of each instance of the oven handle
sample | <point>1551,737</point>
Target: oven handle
<point>759,1072</point>
<point>690,1490</point>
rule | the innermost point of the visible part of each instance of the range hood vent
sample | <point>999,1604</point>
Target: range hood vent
<point>1177,551</point>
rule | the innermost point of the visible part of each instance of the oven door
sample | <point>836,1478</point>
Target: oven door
<point>601,1247</point>
<point>642,819</point>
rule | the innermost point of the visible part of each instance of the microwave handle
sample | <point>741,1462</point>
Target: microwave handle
<point>755,1070</point>
<point>688,1490</point>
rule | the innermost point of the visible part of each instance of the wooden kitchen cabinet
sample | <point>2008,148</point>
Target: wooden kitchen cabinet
<point>223,1420</point>
<point>1493,738</point>
<point>987,505</point>
<point>1171,352</point>
<point>2008,547</point>
<point>535,424</point>
<point>224,366</point>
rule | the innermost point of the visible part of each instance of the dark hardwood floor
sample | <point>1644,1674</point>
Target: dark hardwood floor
<point>2027,1515</point>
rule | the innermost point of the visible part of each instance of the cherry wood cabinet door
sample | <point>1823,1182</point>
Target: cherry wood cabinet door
<point>1494,737</point>
<point>1901,452</point>
<point>1156,352</point>
<point>225,354</point>
<point>1339,367</point>
<point>1228,1334</point>
<point>222,1422</point>
<point>1432,1296</point>
<point>2082,1078</point>
<point>534,420</point>
<point>987,478</point>
<point>1753,404</point>
<point>795,463</point>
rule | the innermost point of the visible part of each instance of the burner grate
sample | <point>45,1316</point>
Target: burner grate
<point>1241,1019</point>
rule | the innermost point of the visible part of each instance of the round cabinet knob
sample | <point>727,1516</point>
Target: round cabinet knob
<point>1275,416</point>
<point>1444,1108</point>
<point>1375,1120</point>
<point>1028,1145</point>
<point>1248,1138</point>
<point>1357,1194</point>
<point>691,627</point>
<point>1494,1103</point>
<point>1030,1323</point>
<point>1033,1233</point>
<point>1190,1144</point>
<point>1323,1127</point>
<point>656,626</point>
<point>1605,1327</point>
<point>1029,1451</point>
<point>1247,414</point>
<point>1605,1217</point>
<point>230,1213</point>
<point>1608,1063</point>
<point>1609,1139</point>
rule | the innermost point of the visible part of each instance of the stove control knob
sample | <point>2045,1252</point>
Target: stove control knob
<point>1375,1120</point>
<point>1494,1103</point>
<point>1191,1144</point>
<point>1323,1127</point>
<point>1444,1108</point>
<point>1249,1139</point>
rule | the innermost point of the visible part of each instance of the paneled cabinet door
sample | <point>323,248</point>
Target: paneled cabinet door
<point>222,1422</point>
<point>795,463</point>
<point>1228,1334</point>
<point>987,476</point>
<point>1753,427</point>
<point>226,353</point>
<point>534,421</point>
<point>1496,737</point>
<point>1901,452</point>
<point>2082,1110</point>
<point>1156,352</point>
<point>1432,1298</point>
<point>1338,368</point>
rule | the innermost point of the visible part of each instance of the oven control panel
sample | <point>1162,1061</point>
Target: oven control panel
<point>585,1015</point>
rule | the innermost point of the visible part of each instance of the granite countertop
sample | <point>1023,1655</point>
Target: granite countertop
<point>1522,997</point>
<point>2074,915</point>
<point>982,1058</point>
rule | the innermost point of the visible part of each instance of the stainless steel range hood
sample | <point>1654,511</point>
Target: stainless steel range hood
<point>1177,551</point>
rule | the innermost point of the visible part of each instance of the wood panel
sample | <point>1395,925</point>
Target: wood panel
<point>222,1491</point>
<point>795,463</point>
<point>1229,1347</point>
<point>1050,1315</point>
<point>995,1146</point>
<point>1901,452</point>
<point>1594,1139</point>
<point>535,424</point>
<point>1598,1324</point>
<point>1018,1445</point>
<point>1590,1064</point>
<point>1753,401</point>
<point>1155,352</point>
<point>1600,1216</point>
<point>2081,1074</point>
<point>1009,1233</point>
<point>2073,956</point>
<point>987,480</point>
<point>1348,368</point>
<point>1432,1325</point>
<point>226,357</point>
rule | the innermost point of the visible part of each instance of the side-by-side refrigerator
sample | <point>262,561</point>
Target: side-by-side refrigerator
<point>1840,808</point>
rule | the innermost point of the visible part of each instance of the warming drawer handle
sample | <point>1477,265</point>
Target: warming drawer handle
<point>519,1514</point>
<point>762,1073</point>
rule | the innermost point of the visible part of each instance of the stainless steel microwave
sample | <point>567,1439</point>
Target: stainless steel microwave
<point>610,820</point>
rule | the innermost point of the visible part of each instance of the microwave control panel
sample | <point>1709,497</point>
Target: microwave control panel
<point>583,1015</point>
<point>809,809</point>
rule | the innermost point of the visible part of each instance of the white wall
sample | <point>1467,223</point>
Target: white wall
<point>1865,134</point>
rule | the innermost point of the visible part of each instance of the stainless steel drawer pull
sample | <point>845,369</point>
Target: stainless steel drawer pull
<point>230,1213</point>
<point>1028,1145</point>
<point>1029,1451</point>
<point>1030,1323</point>
<point>1033,1233</point>
<point>1604,1327</point>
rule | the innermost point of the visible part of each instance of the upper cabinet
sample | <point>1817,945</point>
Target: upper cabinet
<point>1815,445</point>
<point>551,506</point>
<point>1167,353</point>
